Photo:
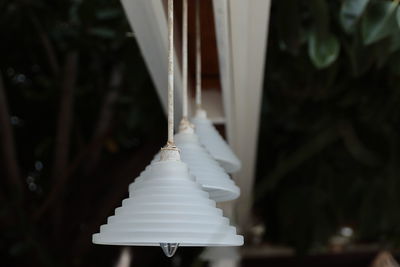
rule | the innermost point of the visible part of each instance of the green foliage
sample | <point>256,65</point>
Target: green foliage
<point>350,13</point>
<point>379,22</point>
<point>328,149</point>
<point>319,22</point>
<point>323,51</point>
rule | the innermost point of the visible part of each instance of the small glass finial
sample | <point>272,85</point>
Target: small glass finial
<point>169,249</point>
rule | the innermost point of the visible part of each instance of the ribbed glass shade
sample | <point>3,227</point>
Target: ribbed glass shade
<point>207,171</point>
<point>166,205</point>
<point>214,142</point>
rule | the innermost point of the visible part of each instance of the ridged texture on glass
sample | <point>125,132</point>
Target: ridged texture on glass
<point>167,205</point>
<point>207,171</point>
<point>214,143</point>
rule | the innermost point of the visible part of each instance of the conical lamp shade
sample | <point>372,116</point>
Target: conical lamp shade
<point>167,206</point>
<point>214,142</point>
<point>207,171</point>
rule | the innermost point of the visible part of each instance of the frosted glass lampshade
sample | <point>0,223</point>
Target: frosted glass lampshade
<point>167,207</point>
<point>207,171</point>
<point>214,142</point>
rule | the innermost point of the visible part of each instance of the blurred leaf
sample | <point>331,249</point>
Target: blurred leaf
<point>379,21</point>
<point>323,51</point>
<point>103,32</point>
<point>350,13</point>
<point>323,47</point>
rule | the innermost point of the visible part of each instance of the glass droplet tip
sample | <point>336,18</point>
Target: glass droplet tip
<point>169,249</point>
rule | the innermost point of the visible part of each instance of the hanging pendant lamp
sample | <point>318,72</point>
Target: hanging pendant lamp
<point>166,206</point>
<point>207,171</point>
<point>205,129</point>
<point>214,143</point>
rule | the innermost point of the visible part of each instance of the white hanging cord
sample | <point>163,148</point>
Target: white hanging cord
<point>185,58</point>
<point>170,151</point>
<point>198,56</point>
<point>170,73</point>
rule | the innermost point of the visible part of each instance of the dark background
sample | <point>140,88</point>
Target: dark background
<point>79,119</point>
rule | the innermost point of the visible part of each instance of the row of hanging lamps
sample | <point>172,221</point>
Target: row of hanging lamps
<point>207,171</point>
<point>214,143</point>
<point>166,206</point>
<point>209,136</point>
